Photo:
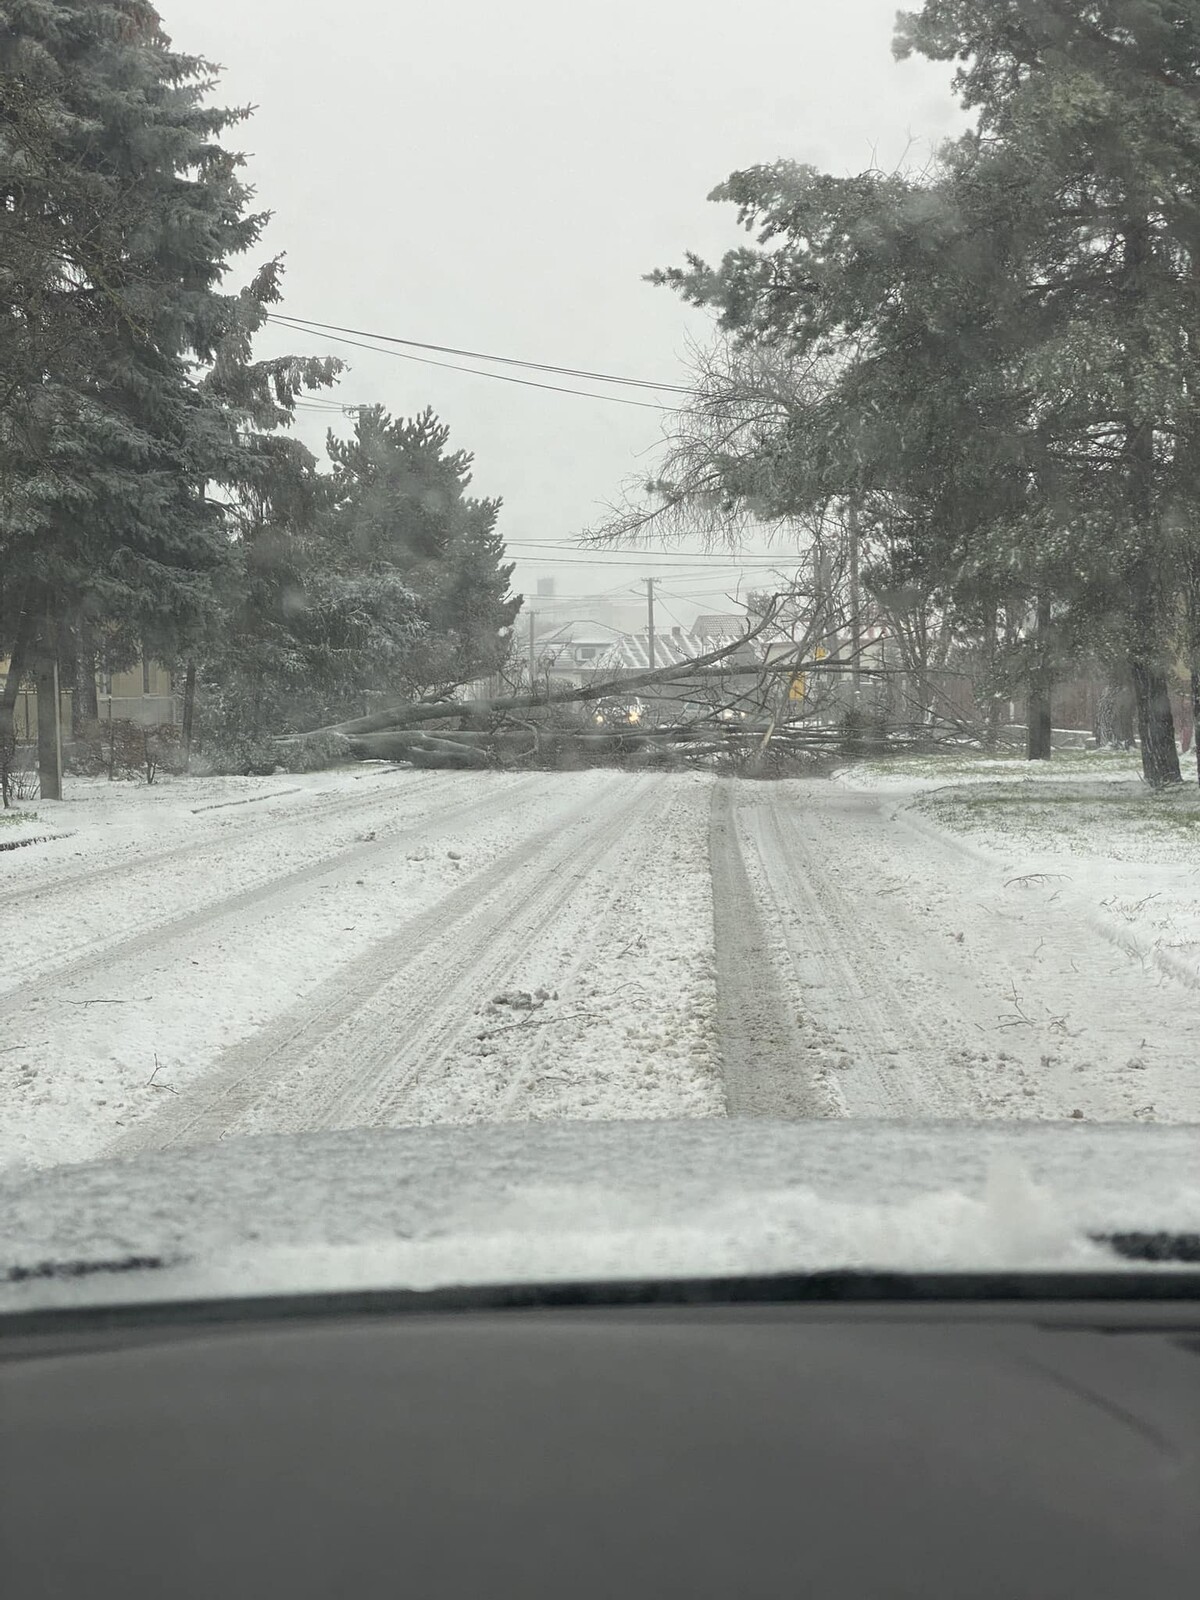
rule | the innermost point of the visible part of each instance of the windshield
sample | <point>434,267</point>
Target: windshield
<point>615,596</point>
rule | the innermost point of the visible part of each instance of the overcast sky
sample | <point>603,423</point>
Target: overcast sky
<point>498,175</point>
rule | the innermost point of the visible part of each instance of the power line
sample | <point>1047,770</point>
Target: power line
<point>481,355</point>
<point>646,549</point>
<point>669,612</point>
<point>694,559</point>
<point>639,559</point>
<point>479,372</point>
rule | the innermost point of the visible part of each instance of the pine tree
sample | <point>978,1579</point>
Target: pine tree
<point>380,578</point>
<point>133,392</point>
<point>401,509</point>
<point>1089,115</point>
<point>306,629</point>
<point>1013,336</point>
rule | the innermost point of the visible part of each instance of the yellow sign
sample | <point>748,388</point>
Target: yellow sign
<point>797,691</point>
<point>820,652</point>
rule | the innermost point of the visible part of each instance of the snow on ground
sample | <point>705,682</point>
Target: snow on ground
<point>381,947</point>
<point>220,955</point>
<point>1075,894</point>
<point>1082,829</point>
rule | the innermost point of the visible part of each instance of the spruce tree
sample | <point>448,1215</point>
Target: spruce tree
<point>401,510</point>
<point>1012,335</point>
<point>133,391</point>
<point>1088,116</point>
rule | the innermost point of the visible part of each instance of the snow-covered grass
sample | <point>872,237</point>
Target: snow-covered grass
<point>970,766</point>
<point>1083,824</point>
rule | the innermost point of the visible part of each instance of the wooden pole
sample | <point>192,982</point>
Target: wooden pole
<point>189,711</point>
<point>49,724</point>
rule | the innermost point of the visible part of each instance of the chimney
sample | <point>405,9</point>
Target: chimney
<point>677,633</point>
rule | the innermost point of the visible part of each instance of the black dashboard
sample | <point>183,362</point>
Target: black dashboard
<point>955,1449</point>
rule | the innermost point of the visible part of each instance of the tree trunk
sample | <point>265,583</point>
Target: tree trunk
<point>1115,721</point>
<point>410,713</point>
<point>18,666</point>
<point>991,736</point>
<point>856,629</point>
<point>1039,730</point>
<point>189,712</point>
<point>85,702</point>
<point>1038,736</point>
<point>1148,610</point>
<point>49,724</point>
<point>1156,726</point>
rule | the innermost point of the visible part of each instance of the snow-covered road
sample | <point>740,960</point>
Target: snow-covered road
<point>389,947</point>
<point>384,947</point>
<point>901,971</point>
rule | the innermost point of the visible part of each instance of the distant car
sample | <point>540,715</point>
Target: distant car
<point>615,713</point>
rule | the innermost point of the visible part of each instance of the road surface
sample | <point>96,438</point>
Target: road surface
<point>875,968</point>
<point>386,948</point>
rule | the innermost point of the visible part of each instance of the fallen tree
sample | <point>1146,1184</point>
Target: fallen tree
<point>407,714</point>
<point>729,706</point>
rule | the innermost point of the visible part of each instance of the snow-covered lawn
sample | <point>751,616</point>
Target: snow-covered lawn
<point>1082,830</point>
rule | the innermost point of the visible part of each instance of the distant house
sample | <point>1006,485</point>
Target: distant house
<point>631,652</point>
<point>716,627</point>
<point>569,654</point>
<point>144,694</point>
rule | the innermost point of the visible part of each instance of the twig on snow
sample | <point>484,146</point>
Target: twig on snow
<point>150,1083</point>
<point>529,1022</point>
<point>1021,1020</point>
<point>137,999</point>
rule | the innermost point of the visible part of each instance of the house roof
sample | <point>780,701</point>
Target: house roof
<point>720,625</point>
<point>631,653</point>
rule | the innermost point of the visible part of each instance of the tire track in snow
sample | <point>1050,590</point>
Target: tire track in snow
<point>485,952</point>
<point>764,1058</point>
<point>324,1062</point>
<point>101,958</point>
<point>633,1032</point>
<point>874,1020</point>
<point>134,858</point>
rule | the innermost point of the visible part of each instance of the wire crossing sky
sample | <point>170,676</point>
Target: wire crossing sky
<point>487,186</point>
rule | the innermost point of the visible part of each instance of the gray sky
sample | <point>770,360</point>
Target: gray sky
<point>499,176</point>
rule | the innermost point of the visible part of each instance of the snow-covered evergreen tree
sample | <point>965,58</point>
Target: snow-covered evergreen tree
<point>400,509</point>
<point>131,390</point>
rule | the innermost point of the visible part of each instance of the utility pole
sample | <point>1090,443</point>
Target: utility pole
<point>49,715</point>
<point>189,711</point>
<point>650,621</point>
<point>532,638</point>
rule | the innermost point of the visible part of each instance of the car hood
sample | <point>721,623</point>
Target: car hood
<point>522,1203</point>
